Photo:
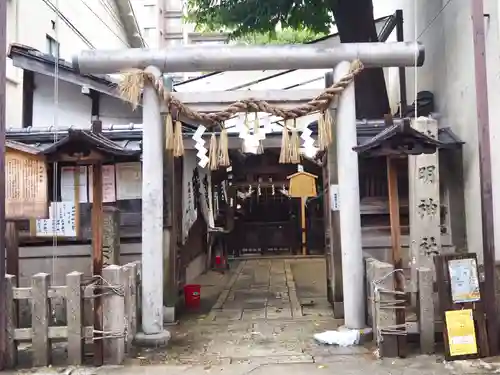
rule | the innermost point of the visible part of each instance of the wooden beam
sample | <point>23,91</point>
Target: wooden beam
<point>214,101</point>
<point>97,257</point>
<point>397,259</point>
<point>97,245</point>
<point>27,63</point>
<point>12,247</point>
<point>236,143</point>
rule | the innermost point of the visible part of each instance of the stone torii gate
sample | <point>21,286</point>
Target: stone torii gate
<point>245,58</point>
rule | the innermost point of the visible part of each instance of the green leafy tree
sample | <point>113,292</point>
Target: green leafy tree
<point>353,18</point>
<point>286,36</point>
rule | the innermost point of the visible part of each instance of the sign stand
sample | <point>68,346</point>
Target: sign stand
<point>303,186</point>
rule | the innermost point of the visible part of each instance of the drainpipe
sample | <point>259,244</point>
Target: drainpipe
<point>483,127</point>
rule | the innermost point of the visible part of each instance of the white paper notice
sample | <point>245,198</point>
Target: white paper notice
<point>108,183</point>
<point>128,181</point>
<point>68,184</point>
<point>334,198</point>
<point>61,221</point>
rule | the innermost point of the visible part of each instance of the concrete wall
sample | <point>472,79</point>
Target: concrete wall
<point>445,28</point>
<point>30,21</point>
<point>75,108</point>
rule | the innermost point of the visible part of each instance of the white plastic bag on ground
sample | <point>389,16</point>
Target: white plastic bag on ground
<point>345,337</point>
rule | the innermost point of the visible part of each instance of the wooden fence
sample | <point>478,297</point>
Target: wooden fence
<point>118,290</point>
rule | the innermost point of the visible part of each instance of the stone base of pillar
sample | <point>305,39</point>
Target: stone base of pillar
<point>155,340</point>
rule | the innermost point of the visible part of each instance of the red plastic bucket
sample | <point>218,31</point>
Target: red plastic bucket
<point>192,295</point>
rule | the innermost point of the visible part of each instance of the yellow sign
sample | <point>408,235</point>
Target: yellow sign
<point>302,185</point>
<point>26,183</point>
<point>461,332</point>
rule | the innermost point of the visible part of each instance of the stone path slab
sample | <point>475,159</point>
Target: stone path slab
<point>259,289</point>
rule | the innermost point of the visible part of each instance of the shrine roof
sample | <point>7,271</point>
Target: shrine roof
<point>23,147</point>
<point>302,173</point>
<point>400,139</point>
<point>79,140</point>
<point>367,129</point>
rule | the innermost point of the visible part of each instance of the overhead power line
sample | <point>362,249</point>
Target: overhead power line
<point>69,23</point>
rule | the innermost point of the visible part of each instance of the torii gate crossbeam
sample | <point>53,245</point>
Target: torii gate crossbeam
<point>241,58</point>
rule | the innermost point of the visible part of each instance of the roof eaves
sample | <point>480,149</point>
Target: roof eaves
<point>16,49</point>
<point>130,24</point>
<point>100,142</point>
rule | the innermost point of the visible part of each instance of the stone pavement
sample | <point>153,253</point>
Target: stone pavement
<point>259,289</point>
<point>339,365</point>
<point>261,318</point>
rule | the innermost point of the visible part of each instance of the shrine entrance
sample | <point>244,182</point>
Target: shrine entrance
<point>163,141</point>
<point>267,220</point>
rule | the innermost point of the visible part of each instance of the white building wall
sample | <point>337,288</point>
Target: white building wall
<point>82,24</point>
<point>445,28</point>
<point>75,108</point>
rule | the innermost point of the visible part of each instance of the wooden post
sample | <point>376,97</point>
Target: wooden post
<point>12,247</point>
<point>114,317</point>
<point>76,180</point>
<point>397,260</point>
<point>382,317</point>
<point>485,174</point>
<point>3,84</point>
<point>303,224</point>
<point>40,316</point>
<point>97,257</point>
<point>88,309</point>
<point>130,289</point>
<point>11,312</point>
<point>74,313</point>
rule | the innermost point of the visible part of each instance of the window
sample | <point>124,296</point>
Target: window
<point>150,12</point>
<point>175,42</point>
<point>52,46</point>
<point>149,32</point>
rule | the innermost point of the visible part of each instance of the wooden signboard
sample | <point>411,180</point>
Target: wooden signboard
<point>303,186</point>
<point>26,183</point>
<point>461,332</point>
<point>461,307</point>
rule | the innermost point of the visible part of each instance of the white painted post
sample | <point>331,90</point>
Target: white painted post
<point>152,211</point>
<point>350,219</point>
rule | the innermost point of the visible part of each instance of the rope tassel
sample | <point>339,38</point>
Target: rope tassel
<point>285,146</point>
<point>169,132</point>
<point>295,145</point>
<point>224,160</point>
<point>178,142</point>
<point>213,162</point>
<point>325,124</point>
<point>131,85</point>
<point>328,122</point>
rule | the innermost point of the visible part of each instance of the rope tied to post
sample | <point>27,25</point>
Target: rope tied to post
<point>134,80</point>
